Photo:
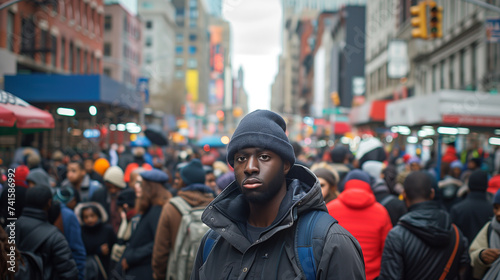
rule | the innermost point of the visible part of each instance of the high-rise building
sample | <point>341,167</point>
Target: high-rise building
<point>158,52</point>
<point>122,44</point>
<point>214,7</point>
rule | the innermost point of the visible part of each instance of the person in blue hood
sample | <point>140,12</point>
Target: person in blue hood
<point>254,220</point>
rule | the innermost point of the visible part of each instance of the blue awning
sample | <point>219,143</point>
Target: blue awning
<point>43,88</point>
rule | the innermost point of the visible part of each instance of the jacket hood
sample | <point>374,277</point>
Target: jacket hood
<point>197,198</point>
<point>357,194</point>
<point>227,214</point>
<point>428,222</point>
<point>78,211</point>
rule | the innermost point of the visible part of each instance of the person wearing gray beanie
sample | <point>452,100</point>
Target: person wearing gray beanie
<point>272,200</point>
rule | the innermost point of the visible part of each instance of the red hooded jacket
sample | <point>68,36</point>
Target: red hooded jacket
<point>367,220</point>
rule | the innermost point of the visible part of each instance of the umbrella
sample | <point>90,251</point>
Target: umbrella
<point>212,141</point>
<point>18,115</point>
<point>156,135</point>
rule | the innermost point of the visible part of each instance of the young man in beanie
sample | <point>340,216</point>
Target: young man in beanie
<point>115,183</point>
<point>193,191</point>
<point>424,244</point>
<point>254,220</point>
<point>485,247</point>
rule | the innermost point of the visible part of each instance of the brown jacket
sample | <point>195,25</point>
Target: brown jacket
<point>168,226</point>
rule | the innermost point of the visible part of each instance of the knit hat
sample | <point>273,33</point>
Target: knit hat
<point>456,164</point>
<point>414,159</point>
<point>496,198</point>
<point>64,195</point>
<point>156,175</point>
<point>126,197</point>
<point>325,174</point>
<point>39,177</point>
<point>338,154</point>
<point>193,173</point>
<point>373,168</point>
<point>357,174</point>
<point>20,175</point>
<point>101,165</point>
<point>114,175</point>
<point>263,129</point>
<point>478,181</point>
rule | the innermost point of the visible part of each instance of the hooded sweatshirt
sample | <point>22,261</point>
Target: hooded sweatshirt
<point>421,244</point>
<point>367,220</point>
<point>273,254</point>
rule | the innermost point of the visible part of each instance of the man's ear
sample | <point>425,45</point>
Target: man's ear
<point>433,194</point>
<point>286,167</point>
<point>406,200</point>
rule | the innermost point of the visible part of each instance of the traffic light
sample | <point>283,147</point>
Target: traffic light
<point>419,20</point>
<point>435,20</point>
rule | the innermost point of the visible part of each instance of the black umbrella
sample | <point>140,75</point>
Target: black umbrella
<point>156,135</point>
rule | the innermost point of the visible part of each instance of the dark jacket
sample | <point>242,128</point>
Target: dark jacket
<point>471,214</point>
<point>58,263</point>
<point>394,206</point>
<point>103,197</point>
<point>140,247</point>
<point>273,256</point>
<point>73,234</point>
<point>421,248</point>
<point>20,193</point>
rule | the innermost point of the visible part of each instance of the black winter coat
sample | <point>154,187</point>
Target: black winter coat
<point>273,255</point>
<point>140,247</point>
<point>421,248</point>
<point>58,262</point>
<point>471,214</point>
<point>394,206</point>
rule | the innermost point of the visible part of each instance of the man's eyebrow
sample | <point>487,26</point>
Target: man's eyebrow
<point>245,152</point>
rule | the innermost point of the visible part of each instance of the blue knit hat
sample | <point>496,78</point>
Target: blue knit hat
<point>261,129</point>
<point>193,173</point>
<point>357,174</point>
<point>496,198</point>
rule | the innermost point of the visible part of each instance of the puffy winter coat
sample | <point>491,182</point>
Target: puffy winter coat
<point>421,244</point>
<point>367,220</point>
<point>273,255</point>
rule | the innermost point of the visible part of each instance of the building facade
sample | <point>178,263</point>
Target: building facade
<point>122,47</point>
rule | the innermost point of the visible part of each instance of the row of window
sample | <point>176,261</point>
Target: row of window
<point>180,49</point>
<point>128,26</point>
<point>80,13</point>
<point>46,48</point>
<point>463,68</point>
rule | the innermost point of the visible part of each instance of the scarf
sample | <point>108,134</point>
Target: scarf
<point>495,234</point>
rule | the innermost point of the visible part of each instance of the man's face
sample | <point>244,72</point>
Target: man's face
<point>89,165</point>
<point>177,181</point>
<point>138,186</point>
<point>210,181</point>
<point>496,211</point>
<point>260,174</point>
<point>75,173</point>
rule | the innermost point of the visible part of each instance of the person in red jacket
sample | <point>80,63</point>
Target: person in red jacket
<point>367,220</point>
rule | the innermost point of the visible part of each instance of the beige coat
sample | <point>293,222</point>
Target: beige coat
<point>480,243</point>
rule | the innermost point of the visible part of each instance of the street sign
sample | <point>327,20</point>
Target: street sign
<point>493,30</point>
<point>143,89</point>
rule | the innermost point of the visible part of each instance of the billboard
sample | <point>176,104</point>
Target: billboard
<point>192,82</point>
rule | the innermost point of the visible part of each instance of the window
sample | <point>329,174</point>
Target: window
<point>452,73</point>
<point>27,40</point>
<point>43,46</point>
<point>10,31</point>
<point>179,61</point>
<point>462,68</point>
<point>149,58</point>
<point>193,3</point>
<point>53,57</point>
<point>85,63</point>
<point>107,23</point>
<point>78,60</point>
<point>149,41</point>
<point>193,14</point>
<point>179,49</point>
<point>473,64</point>
<point>192,63</point>
<point>180,38</point>
<point>179,74</point>
<point>193,23</point>
<point>192,50</point>
<point>63,53</point>
<point>107,49</point>
<point>441,75</point>
<point>92,63</point>
<point>107,72</point>
<point>179,13</point>
<point>125,24</point>
<point>192,37</point>
<point>434,77</point>
<point>149,24</point>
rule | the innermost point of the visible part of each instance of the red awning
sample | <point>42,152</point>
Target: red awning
<point>373,111</point>
<point>16,113</point>
<point>377,110</point>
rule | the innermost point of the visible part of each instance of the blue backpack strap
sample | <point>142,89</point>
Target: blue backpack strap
<point>209,244</point>
<point>312,225</point>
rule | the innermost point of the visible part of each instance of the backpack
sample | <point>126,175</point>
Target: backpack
<point>31,267</point>
<point>191,231</point>
<point>312,225</point>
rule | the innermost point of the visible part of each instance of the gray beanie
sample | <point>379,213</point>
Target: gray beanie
<point>261,129</point>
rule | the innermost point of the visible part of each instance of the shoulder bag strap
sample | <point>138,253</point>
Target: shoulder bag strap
<point>453,254</point>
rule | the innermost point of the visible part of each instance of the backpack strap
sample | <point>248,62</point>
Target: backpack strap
<point>181,205</point>
<point>453,254</point>
<point>37,237</point>
<point>312,225</point>
<point>209,244</point>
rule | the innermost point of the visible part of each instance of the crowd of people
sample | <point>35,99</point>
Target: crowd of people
<point>115,214</point>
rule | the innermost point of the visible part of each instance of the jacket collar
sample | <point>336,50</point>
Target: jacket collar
<point>227,214</point>
<point>35,213</point>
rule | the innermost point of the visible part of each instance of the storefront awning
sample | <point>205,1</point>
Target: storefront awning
<point>370,112</point>
<point>447,107</point>
<point>42,88</point>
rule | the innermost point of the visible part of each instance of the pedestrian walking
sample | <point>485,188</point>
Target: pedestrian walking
<point>266,216</point>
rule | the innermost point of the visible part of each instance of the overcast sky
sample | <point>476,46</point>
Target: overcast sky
<point>256,44</point>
